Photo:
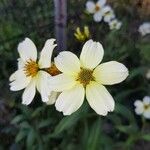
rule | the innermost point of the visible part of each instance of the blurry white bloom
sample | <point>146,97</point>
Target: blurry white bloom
<point>144,28</point>
<point>148,74</point>
<point>30,74</point>
<point>86,76</point>
<point>115,24</point>
<point>143,107</point>
<point>108,14</point>
<point>96,9</point>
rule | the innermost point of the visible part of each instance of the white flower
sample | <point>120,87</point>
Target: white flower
<point>30,74</point>
<point>148,74</point>
<point>115,24</point>
<point>108,14</point>
<point>96,9</point>
<point>144,28</point>
<point>143,107</point>
<point>86,76</point>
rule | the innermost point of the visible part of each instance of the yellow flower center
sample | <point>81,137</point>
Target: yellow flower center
<point>31,68</point>
<point>146,107</point>
<point>53,70</point>
<point>97,7</point>
<point>85,76</point>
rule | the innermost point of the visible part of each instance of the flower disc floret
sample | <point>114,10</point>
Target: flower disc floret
<point>85,76</point>
<point>31,68</point>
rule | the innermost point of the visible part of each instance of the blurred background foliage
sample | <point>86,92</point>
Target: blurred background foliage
<point>41,127</point>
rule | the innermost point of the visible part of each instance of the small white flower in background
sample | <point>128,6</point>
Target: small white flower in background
<point>96,9</point>
<point>115,24</point>
<point>85,76</point>
<point>144,28</point>
<point>143,107</point>
<point>30,75</point>
<point>148,74</point>
<point>108,14</point>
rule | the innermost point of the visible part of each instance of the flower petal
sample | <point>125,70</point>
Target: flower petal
<point>108,13</point>
<point>69,101</point>
<point>97,16</point>
<point>18,80</point>
<point>92,54</point>
<point>42,85</point>
<point>146,114</point>
<point>67,62</point>
<point>29,93</point>
<point>139,110</point>
<point>20,63</point>
<point>101,3</point>
<point>110,73</point>
<point>52,98</point>
<point>90,6</point>
<point>61,82</point>
<point>99,98</point>
<point>146,100</point>
<point>46,54</point>
<point>138,103</point>
<point>27,50</point>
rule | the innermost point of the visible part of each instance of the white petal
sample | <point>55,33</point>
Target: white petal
<point>106,9</point>
<point>67,62</point>
<point>118,26</point>
<point>90,6</point>
<point>20,63</point>
<point>97,16</point>
<point>139,110</point>
<point>18,80</point>
<point>42,85</point>
<point>109,17</point>
<point>144,28</point>
<point>52,98</point>
<point>139,107</point>
<point>101,3</point>
<point>146,114</point>
<point>46,54</point>
<point>138,103</point>
<point>115,24</point>
<point>146,100</point>
<point>99,98</point>
<point>110,73</point>
<point>69,101</point>
<point>108,14</point>
<point>61,82</point>
<point>29,93</point>
<point>91,55</point>
<point>27,50</point>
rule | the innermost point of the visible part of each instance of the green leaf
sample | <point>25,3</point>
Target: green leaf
<point>136,72</point>
<point>22,134</point>
<point>26,111</point>
<point>30,139</point>
<point>25,125</point>
<point>44,123</point>
<point>146,137</point>
<point>71,120</point>
<point>125,112</point>
<point>94,136</point>
<point>66,123</point>
<point>17,119</point>
<point>37,111</point>
<point>128,129</point>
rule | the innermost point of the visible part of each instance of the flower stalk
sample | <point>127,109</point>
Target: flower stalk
<point>60,23</point>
